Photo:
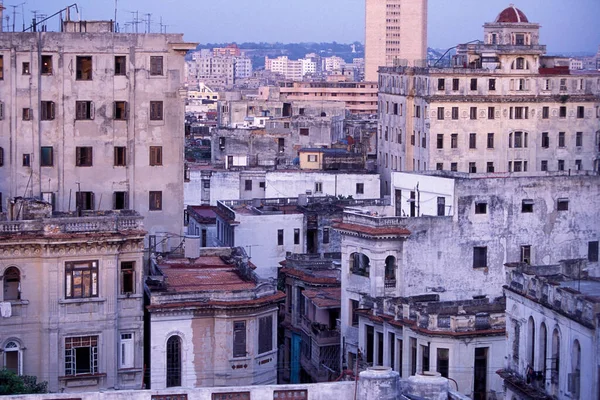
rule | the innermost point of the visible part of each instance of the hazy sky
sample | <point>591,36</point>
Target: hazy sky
<point>567,25</point>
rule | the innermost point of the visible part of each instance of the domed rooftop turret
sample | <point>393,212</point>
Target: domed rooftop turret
<point>511,14</point>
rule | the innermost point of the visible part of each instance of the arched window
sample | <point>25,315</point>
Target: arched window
<point>174,361</point>
<point>531,342</point>
<point>575,378</point>
<point>542,348</point>
<point>555,367</point>
<point>390,271</point>
<point>12,357</point>
<point>359,264</point>
<point>12,284</point>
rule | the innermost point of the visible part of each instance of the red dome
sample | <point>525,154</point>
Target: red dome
<point>512,15</point>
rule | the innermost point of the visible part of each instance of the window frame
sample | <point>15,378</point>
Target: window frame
<point>562,204</point>
<point>360,188</point>
<point>155,201</point>
<point>120,65</point>
<point>156,110</point>
<point>84,110</point>
<point>119,156</point>
<point>280,237</point>
<point>127,276</point>
<point>120,110</point>
<point>80,74</point>
<point>156,66</point>
<point>527,206</point>
<point>84,156</point>
<point>47,110</point>
<point>46,69</point>
<point>90,267</point>
<point>239,338</point>
<point>265,334</point>
<point>70,355</point>
<point>480,257</point>
<point>46,156</point>
<point>155,156</point>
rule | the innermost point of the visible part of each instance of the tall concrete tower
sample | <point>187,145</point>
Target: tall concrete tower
<point>395,34</point>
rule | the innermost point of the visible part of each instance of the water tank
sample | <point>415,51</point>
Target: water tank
<point>428,385</point>
<point>192,246</point>
<point>379,383</point>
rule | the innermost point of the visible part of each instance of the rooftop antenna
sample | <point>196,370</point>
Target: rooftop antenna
<point>148,22</point>
<point>15,14</point>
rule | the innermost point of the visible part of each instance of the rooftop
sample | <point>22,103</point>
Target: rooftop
<point>511,14</point>
<point>324,297</point>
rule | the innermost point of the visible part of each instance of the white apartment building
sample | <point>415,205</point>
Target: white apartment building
<point>504,107</point>
<point>92,119</point>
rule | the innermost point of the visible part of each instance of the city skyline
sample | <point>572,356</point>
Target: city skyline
<point>337,20</point>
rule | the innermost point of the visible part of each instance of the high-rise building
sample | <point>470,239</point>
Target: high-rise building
<point>395,34</point>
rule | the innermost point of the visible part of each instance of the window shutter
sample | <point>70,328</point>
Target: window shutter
<point>92,207</point>
<point>126,111</point>
<point>126,201</point>
<point>1,110</point>
<point>92,110</point>
<point>52,110</point>
<point>114,110</point>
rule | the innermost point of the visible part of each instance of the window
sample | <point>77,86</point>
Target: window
<point>544,165</point>
<point>520,139</point>
<point>418,111</point>
<point>155,155</point>
<point>561,139</point>
<point>526,254</point>
<point>25,69</point>
<point>480,207</point>
<point>120,65</point>
<point>562,112</point>
<point>47,110</point>
<point>439,166</point>
<point>480,257</point>
<point>325,235</point>
<point>562,205</point>
<point>248,184</point>
<point>46,156</point>
<point>518,166</point>
<point>12,284</point>
<point>490,167</point>
<point>83,156</point>
<point>304,131</point>
<point>455,83</point>
<point>561,165</point>
<point>472,168</point>
<point>1,162</point>
<point>318,187</point>
<point>84,110</point>
<point>580,111</point>
<point>454,113</point>
<point>473,83</point>
<point>354,305</point>
<point>27,114</point>
<point>440,141</point>
<point>520,112</point>
<point>81,279</point>
<point>84,68</point>
<point>491,112</point>
<point>578,165</point>
<point>120,156</point>
<point>360,188</point>
<point>454,140</point>
<point>359,264</point>
<point>126,350</point>
<point>453,167</point>
<point>13,358</point>
<point>173,361</point>
<point>1,110</point>
<point>545,112</point>
<point>312,158</point>
<point>281,145</point>
<point>441,84</point>
<point>156,111</point>
<point>490,140</point>
<point>128,277</point>
<point>443,363</point>
<point>593,251</point>
<point>301,111</point>
<point>492,84</point>
<point>292,394</point>
<point>519,39</point>
<point>545,140</point>
<point>441,206</point>
<point>228,396</point>
<point>155,198</point>
<point>265,334</point>
<point>120,200</point>
<point>547,84</point>
<point>472,140</point>
<point>527,206</point>
<point>280,237</point>
<point>120,110</point>
<point>239,339</point>
<point>579,139</point>
<point>156,65</point>
<point>296,236</point>
<point>473,113</point>
<point>440,113</point>
<point>84,200</point>
<point>81,355</point>
<point>46,65</point>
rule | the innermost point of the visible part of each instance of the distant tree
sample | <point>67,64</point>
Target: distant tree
<point>11,383</point>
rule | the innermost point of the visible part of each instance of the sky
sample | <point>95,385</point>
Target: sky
<point>567,25</point>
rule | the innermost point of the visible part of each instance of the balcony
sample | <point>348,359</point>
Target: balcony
<point>322,334</point>
<point>67,225</point>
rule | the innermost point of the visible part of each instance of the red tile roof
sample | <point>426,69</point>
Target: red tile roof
<point>324,297</point>
<point>512,14</point>
<point>372,230</point>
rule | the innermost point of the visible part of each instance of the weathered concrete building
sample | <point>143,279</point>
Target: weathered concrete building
<point>503,107</point>
<point>92,119</point>
<point>207,185</point>
<point>212,322</point>
<point>552,330</point>
<point>475,226</point>
<point>311,344</point>
<point>71,305</point>
<point>269,229</point>
<point>201,222</point>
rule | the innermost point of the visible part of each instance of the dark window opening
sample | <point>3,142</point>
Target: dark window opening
<point>156,65</point>
<point>84,110</point>
<point>120,156</point>
<point>120,110</point>
<point>527,206</point>
<point>174,361</point>
<point>46,65</point>
<point>593,251</point>
<point>480,208</point>
<point>84,200</point>
<point>81,355</point>
<point>156,111</point>
<point>296,236</point>
<point>47,156</point>
<point>280,237</point>
<point>265,334</point>
<point>239,339</point>
<point>84,68</point>
<point>128,277</point>
<point>248,184</point>
<point>83,156</point>
<point>47,110</point>
<point>155,198</point>
<point>562,205</point>
<point>120,65</point>
<point>120,201</point>
<point>480,257</point>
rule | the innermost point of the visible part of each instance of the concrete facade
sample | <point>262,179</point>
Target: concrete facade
<point>552,331</point>
<point>503,107</point>
<point>223,319</point>
<point>395,34</point>
<point>88,117</point>
<point>71,298</point>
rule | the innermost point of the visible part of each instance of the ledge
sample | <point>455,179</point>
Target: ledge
<point>83,300</point>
